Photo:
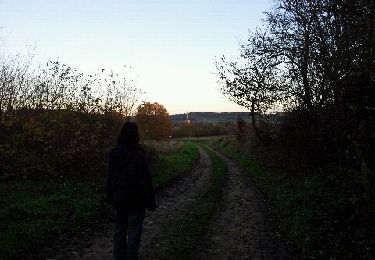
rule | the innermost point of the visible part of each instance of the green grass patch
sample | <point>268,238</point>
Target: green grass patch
<point>180,241</point>
<point>167,167</point>
<point>32,212</point>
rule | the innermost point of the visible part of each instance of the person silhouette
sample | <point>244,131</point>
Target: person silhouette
<point>129,189</point>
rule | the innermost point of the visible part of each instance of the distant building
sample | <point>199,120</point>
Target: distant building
<point>187,118</point>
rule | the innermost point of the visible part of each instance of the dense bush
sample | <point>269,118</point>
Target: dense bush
<point>56,143</point>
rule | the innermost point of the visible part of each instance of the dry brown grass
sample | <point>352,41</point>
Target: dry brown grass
<point>163,147</point>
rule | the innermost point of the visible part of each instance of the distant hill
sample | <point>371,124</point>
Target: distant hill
<point>218,117</point>
<point>210,117</point>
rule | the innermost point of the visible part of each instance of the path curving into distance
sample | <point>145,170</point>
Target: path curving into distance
<point>243,227</point>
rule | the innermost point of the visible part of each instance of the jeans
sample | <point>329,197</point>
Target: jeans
<point>129,224</point>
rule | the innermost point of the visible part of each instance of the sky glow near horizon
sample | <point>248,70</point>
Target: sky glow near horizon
<point>171,45</point>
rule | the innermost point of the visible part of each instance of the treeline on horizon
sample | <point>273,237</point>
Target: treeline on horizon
<point>204,124</point>
<point>316,59</point>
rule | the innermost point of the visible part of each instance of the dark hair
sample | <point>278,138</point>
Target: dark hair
<point>128,134</point>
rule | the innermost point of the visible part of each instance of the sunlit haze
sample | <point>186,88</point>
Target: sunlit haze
<point>171,45</point>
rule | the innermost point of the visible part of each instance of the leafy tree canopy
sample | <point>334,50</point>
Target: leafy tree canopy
<point>153,121</point>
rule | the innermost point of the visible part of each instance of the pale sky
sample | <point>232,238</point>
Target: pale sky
<point>171,44</point>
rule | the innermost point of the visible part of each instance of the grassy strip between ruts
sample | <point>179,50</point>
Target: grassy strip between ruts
<point>183,234</point>
<point>167,167</point>
<point>33,213</point>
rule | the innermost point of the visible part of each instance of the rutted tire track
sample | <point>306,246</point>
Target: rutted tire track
<point>243,226</point>
<point>171,201</point>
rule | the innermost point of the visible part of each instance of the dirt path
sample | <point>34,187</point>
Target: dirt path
<point>243,226</point>
<point>172,206</point>
<point>171,203</point>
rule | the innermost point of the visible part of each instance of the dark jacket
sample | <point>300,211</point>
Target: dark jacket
<point>129,185</point>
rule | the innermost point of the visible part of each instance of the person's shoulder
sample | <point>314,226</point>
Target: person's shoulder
<point>129,151</point>
<point>118,149</point>
<point>140,151</point>
<point>116,154</point>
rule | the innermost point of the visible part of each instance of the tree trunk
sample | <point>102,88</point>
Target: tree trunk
<point>304,72</point>
<point>253,120</point>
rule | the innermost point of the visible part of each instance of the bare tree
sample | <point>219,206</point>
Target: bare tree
<point>254,80</point>
<point>59,86</point>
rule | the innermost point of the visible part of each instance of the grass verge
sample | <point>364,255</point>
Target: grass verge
<point>33,213</point>
<point>180,241</point>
